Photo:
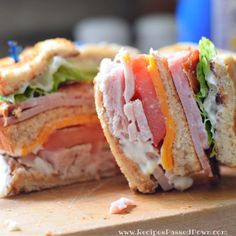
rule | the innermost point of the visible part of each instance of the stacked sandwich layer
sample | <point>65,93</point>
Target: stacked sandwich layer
<point>49,131</point>
<point>164,115</point>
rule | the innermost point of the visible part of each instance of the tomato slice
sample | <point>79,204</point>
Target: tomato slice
<point>75,135</point>
<point>189,67</point>
<point>145,91</point>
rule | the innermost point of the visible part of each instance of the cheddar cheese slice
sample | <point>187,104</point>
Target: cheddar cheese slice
<point>166,149</point>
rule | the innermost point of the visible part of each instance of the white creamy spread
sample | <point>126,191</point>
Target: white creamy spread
<point>137,151</point>
<point>45,81</point>
<point>210,104</point>
<point>42,166</point>
<point>180,183</point>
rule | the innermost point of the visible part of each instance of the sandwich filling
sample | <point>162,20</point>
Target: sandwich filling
<point>60,71</point>
<point>197,89</point>
<point>138,115</point>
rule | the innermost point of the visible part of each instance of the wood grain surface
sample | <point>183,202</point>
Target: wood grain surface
<point>83,209</point>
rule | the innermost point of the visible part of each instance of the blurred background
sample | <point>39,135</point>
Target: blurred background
<point>139,23</point>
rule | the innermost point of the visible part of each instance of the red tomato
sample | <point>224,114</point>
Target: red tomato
<point>145,91</point>
<point>190,68</point>
<point>71,136</point>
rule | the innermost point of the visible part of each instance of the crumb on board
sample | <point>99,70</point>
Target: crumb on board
<point>12,226</point>
<point>83,218</point>
<point>123,205</point>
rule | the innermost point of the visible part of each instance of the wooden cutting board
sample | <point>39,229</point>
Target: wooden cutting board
<point>82,209</point>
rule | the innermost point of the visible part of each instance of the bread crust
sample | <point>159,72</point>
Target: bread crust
<point>33,62</point>
<point>136,179</point>
<point>103,50</point>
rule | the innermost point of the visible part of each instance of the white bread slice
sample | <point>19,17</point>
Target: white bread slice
<point>185,159</point>
<point>225,134</point>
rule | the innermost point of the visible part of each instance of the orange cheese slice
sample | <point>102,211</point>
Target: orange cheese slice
<point>166,149</point>
<point>49,128</point>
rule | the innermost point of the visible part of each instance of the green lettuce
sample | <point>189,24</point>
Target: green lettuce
<point>207,51</point>
<point>50,82</point>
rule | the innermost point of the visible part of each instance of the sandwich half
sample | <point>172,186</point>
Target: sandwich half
<point>49,131</point>
<point>169,115</point>
<point>214,91</point>
<point>145,124</point>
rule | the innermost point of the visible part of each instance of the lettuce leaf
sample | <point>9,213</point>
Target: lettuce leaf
<point>66,74</point>
<point>60,72</point>
<point>207,51</point>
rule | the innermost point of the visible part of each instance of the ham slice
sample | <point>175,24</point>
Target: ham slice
<point>129,80</point>
<point>162,179</point>
<point>196,126</point>
<point>125,116</point>
<point>35,106</point>
<point>112,87</point>
<point>142,123</point>
<point>138,126</point>
<point>132,128</point>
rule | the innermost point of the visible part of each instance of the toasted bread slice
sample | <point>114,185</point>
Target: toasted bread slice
<point>225,134</point>
<point>185,159</point>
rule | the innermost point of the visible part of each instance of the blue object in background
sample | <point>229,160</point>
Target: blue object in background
<point>78,43</point>
<point>14,50</point>
<point>193,20</point>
